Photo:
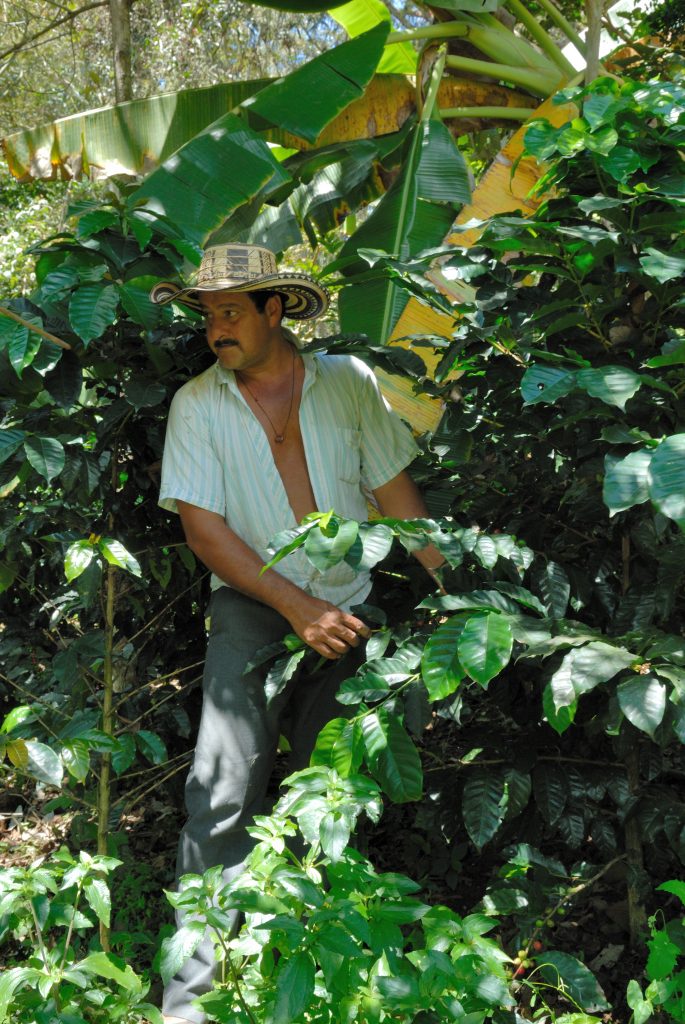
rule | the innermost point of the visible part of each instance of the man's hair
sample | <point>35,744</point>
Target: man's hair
<point>260,298</point>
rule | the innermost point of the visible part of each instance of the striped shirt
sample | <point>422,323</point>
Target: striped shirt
<point>217,456</point>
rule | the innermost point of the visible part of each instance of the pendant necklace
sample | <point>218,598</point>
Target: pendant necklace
<point>279,438</point>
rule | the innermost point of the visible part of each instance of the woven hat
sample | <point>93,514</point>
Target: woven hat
<point>247,268</point>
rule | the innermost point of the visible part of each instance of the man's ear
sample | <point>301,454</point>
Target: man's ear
<point>274,309</point>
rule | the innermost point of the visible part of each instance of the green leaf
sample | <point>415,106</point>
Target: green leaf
<point>363,688</point>
<point>340,744</point>
<point>127,138</point>
<point>95,221</point>
<point>135,298</point>
<point>392,756</point>
<point>483,804</point>
<point>485,646</point>
<point>43,763</point>
<point>643,701</point>
<point>11,979</point>
<point>676,888</point>
<point>46,455</point>
<point>641,1007</point>
<point>142,394</point>
<point>22,347</point>
<point>311,96</point>
<point>294,987</point>
<point>614,385</point>
<point>92,309</point>
<point>99,900</point>
<point>334,832</point>
<point>124,757</point>
<point>661,265</point>
<point>550,792</point>
<point>116,554</point>
<point>152,746</point>
<point>542,383</point>
<point>78,557</point>
<point>555,589</point>
<point>559,717</point>
<point>188,189</point>
<point>359,15</point>
<point>76,758</point>
<point>414,214</point>
<point>286,542</point>
<point>64,383</point>
<point>583,668</point>
<point>106,965</point>
<point>564,971</point>
<point>667,478</point>
<point>22,713</point>
<point>663,956</point>
<point>441,669</point>
<point>179,947</point>
<point>324,552</point>
<point>281,672</point>
<point>374,543</point>
<point>10,441</point>
<point>626,481</point>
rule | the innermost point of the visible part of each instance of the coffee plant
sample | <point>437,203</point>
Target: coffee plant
<point>524,723</point>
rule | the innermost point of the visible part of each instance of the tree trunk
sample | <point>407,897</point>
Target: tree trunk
<point>120,18</point>
<point>593,16</point>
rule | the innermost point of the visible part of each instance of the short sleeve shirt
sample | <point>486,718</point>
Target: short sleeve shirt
<point>217,456</point>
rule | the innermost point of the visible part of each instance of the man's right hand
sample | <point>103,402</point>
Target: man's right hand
<point>329,630</point>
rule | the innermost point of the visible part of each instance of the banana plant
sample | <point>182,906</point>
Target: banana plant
<point>272,162</point>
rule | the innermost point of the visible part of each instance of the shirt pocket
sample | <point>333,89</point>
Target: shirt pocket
<point>348,455</point>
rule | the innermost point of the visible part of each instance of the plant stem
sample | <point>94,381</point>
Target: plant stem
<point>443,30</point>
<point>637,917</point>
<point>34,328</point>
<point>498,113</point>
<point>104,795</point>
<point>541,37</point>
<point>537,82</point>
<point>39,934</point>
<point>70,932</point>
<point>436,74</point>
<point>558,19</point>
<point>234,975</point>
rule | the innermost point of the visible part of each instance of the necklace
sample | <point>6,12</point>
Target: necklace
<point>279,438</point>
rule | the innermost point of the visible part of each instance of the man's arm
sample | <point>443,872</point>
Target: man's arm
<point>329,630</point>
<point>400,498</point>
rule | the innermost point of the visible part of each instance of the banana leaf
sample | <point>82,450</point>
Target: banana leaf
<point>357,16</point>
<point>275,227</point>
<point>129,138</point>
<point>309,98</point>
<point>215,173</point>
<point>334,181</point>
<point>415,214</point>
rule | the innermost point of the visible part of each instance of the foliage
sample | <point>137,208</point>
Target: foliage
<point>554,655</point>
<point>42,908</point>
<point>359,946</point>
<point>564,670</point>
<point>175,44</point>
<point>664,969</point>
<point>81,442</point>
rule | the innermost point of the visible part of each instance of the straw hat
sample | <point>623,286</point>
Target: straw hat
<point>247,268</point>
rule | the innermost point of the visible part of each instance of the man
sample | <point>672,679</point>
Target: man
<point>255,443</point>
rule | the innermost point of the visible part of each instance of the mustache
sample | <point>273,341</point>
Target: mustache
<point>225,342</point>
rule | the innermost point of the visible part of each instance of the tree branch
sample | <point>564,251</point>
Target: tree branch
<point>70,16</point>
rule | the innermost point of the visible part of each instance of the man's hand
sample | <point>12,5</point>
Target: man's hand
<point>329,630</point>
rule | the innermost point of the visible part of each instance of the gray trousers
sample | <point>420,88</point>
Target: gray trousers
<point>235,753</point>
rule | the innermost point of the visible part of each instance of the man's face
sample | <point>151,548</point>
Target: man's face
<point>240,337</point>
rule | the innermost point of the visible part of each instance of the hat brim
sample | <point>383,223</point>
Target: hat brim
<point>304,299</point>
